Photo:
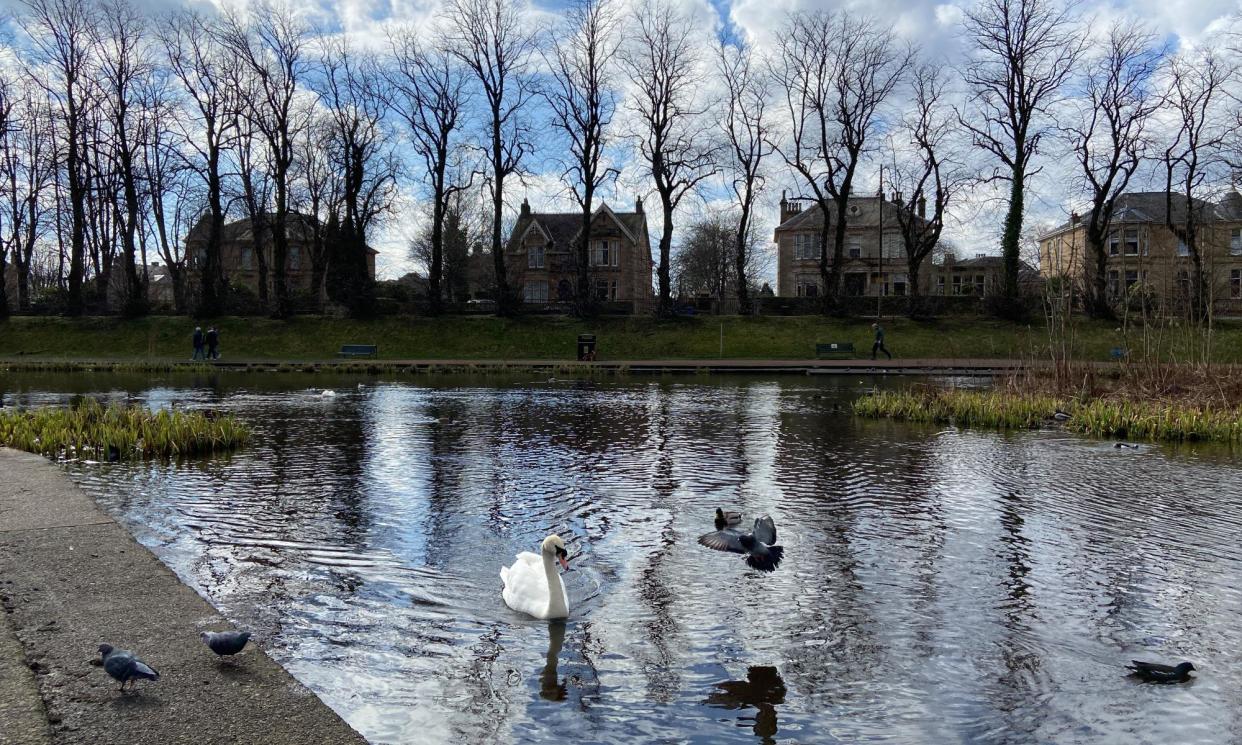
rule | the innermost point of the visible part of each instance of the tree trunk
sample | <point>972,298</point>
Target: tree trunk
<point>666,246</point>
<point>212,280</point>
<point>824,274</point>
<point>77,206</point>
<point>739,258</point>
<point>1098,305</point>
<point>914,265</point>
<point>585,301</point>
<point>435,272</point>
<point>1011,244</point>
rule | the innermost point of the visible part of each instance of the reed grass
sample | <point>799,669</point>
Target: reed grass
<point>90,429</point>
<point>1153,420</point>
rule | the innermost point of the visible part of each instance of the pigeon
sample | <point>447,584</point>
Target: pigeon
<point>122,665</point>
<point>727,517</point>
<point>1154,672</point>
<point>757,545</point>
<point>225,643</point>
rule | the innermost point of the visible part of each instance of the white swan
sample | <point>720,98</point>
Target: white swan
<point>328,393</point>
<point>534,589</point>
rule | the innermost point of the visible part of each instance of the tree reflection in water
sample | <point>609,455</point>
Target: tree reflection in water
<point>762,690</point>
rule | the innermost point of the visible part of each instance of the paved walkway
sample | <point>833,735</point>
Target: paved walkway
<point>71,578</point>
<point>925,366</point>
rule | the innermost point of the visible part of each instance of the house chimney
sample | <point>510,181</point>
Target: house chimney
<point>922,206</point>
<point>525,208</point>
<point>638,205</point>
<point>949,258</point>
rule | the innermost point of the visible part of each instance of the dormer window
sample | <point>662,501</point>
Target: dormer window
<point>535,257</point>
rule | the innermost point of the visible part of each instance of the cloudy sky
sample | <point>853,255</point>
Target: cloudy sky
<point>935,26</point>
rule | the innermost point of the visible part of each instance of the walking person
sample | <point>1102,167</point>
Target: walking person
<point>198,344</point>
<point>213,344</point>
<point>878,345</point>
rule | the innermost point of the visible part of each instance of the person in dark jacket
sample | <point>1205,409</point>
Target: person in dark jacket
<point>878,346</point>
<point>198,344</point>
<point>213,344</point>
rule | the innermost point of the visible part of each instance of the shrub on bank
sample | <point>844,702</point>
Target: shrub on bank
<point>92,430</point>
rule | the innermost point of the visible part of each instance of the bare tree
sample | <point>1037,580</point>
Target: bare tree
<point>706,261</point>
<point>835,71</point>
<point>924,167</point>
<point>319,192</point>
<point>428,89</point>
<point>1196,92</point>
<point>489,38</point>
<point>1024,50</point>
<point>124,67</point>
<point>167,179</point>
<point>60,34</point>
<point>744,121</point>
<point>582,105</point>
<point>365,164</point>
<point>272,48</point>
<point>1109,137</point>
<point>202,65</point>
<point>28,166</point>
<point>8,126</point>
<point>662,64</point>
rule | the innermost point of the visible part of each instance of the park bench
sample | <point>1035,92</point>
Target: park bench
<point>358,350</point>
<point>834,347</point>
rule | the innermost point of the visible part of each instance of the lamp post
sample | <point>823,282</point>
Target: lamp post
<point>879,298</point>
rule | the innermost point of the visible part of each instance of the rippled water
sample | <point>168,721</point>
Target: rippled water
<point>939,585</point>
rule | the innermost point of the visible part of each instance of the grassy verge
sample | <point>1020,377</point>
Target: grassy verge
<point>1109,417</point>
<point>550,338</point>
<point>91,430</point>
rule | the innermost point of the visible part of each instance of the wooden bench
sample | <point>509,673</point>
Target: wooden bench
<point>835,347</point>
<point>358,350</point>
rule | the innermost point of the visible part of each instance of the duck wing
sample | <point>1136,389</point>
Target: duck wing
<point>1139,666</point>
<point>723,540</point>
<point>765,530</point>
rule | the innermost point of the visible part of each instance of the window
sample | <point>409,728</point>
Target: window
<point>247,258</point>
<point>894,247</point>
<point>1113,282</point>
<point>612,290</point>
<point>979,284</point>
<point>1182,248</point>
<point>295,259</point>
<point>604,254</point>
<point>1235,283</point>
<point>853,247</point>
<point>535,257</point>
<point>1235,241</point>
<point>1132,278</point>
<point>898,282</point>
<point>804,246</point>
<point>601,289</point>
<point>616,258</point>
<point>1131,241</point>
<point>1114,245</point>
<point>940,284</point>
<point>806,286</point>
<point>957,284</point>
<point>535,291</point>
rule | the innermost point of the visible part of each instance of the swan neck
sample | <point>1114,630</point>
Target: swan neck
<point>556,591</point>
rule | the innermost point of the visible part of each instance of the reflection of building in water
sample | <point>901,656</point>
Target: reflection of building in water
<point>762,690</point>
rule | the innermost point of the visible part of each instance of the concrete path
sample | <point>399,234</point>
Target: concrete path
<point>920,366</point>
<point>71,578</point>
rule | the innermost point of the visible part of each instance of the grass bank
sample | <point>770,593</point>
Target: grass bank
<point>91,430</point>
<point>551,338</point>
<point>1108,416</point>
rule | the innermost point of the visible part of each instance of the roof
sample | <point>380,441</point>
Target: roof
<point>1153,207</point>
<point>867,213</point>
<point>298,226</point>
<point>561,228</point>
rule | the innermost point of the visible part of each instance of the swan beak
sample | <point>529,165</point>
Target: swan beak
<point>564,563</point>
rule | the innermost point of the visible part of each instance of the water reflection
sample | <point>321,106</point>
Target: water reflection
<point>763,690</point>
<point>939,585</point>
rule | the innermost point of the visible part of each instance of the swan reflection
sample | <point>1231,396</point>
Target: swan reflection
<point>762,690</point>
<point>551,687</point>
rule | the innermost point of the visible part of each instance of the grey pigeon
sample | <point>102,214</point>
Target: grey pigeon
<point>1154,672</point>
<point>225,643</point>
<point>757,545</point>
<point>122,665</point>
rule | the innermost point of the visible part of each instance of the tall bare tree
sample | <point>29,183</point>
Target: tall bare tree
<point>1109,135</point>
<point>1196,93</point>
<point>1023,52</point>
<point>489,38</point>
<point>582,105</point>
<point>835,72</point>
<point>202,65</point>
<point>357,109</point>
<point>60,32</point>
<point>661,60</point>
<point>745,122</point>
<point>124,69</point>
<point>428,87</point>
<point>28,166</point>
<point>272,46</point>
<point>926,166</point>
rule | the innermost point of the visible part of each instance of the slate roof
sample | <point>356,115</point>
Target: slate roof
<point>297,225</point>
<point>562,227</point>
<point>1152,207</point>
<point>811,217</point>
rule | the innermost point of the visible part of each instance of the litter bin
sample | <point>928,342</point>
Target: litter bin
<point>586,347</point>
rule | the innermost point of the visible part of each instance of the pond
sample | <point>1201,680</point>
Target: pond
<point>938,585</point>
